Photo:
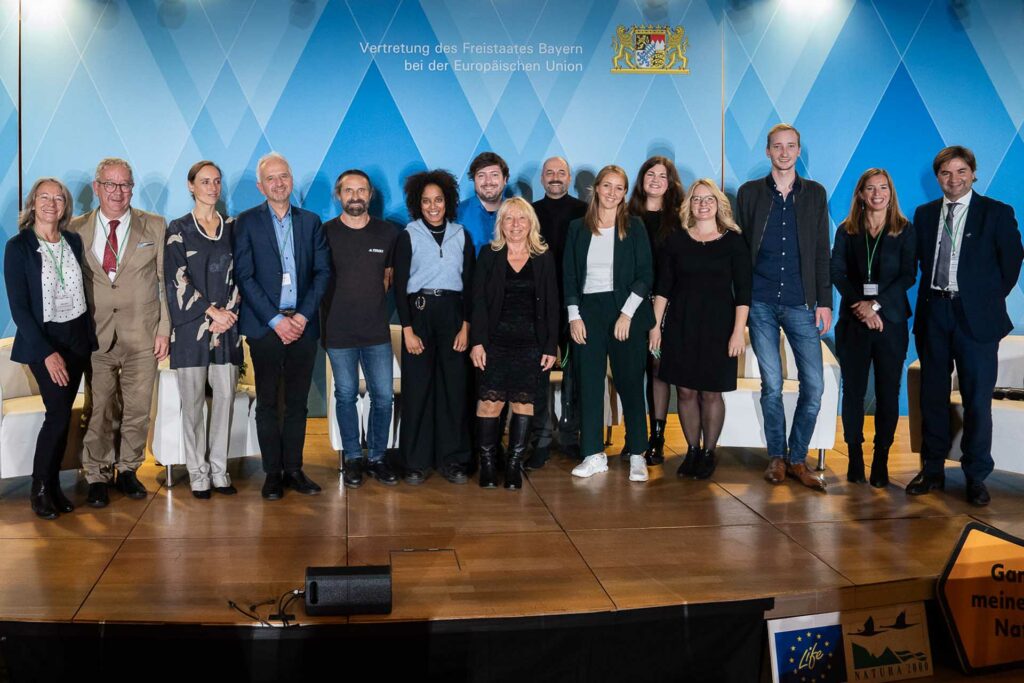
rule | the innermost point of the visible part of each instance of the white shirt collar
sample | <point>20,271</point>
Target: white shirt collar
<point>963,201</point>
<point>124,218</point>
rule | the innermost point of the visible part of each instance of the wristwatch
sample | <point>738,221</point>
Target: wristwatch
<point>876,307</point>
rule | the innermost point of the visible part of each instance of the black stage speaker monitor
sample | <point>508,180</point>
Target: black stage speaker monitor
<point>336,591</point>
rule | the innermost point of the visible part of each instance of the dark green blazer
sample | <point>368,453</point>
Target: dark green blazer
<point>633,271</point>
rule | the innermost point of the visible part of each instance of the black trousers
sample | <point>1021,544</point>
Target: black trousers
<point>289,367</point>
<point>70,340</point>
<point>543,416</point>
<point>944,343</point>
<point>435,390</point>
<point>858,348</point>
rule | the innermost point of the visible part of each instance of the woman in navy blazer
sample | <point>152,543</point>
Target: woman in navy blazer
<point>43,274</point>
<point>873,265</point>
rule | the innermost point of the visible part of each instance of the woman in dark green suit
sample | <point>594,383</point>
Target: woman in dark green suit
<point>608,275</point>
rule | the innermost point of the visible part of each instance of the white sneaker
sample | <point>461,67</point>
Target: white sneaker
<point>591,465</point>
<point>637,468</point>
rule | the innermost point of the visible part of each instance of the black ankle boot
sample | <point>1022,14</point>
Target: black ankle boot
<point>60,501</point>
<point>655,453</point>
<point>688,467</point>
<point>518,432</point>
<point>880,467</point>
<point>487,443</point>
<point>706,463</point>
<point>855,471</point>
<point>42,502</point>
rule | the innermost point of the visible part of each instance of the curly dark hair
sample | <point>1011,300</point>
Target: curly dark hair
<point>671,202</point>
<point>417,183</point>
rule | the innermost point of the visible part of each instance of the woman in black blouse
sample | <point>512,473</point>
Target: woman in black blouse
<point>43,274</point>
<point>873,266</point>
<point>203,300</point>
<point>704,280</point>
<point>657,197</point>
<point>513,335</point>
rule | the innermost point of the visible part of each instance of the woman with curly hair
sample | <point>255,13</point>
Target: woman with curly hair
<point>656,199</point>
<point>433,264</point>
<point>705,273</point>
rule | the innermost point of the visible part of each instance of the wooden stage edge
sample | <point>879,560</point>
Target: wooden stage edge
<point>559,546</point>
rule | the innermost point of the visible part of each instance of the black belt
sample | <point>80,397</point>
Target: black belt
<point>436,292</point>
<point>942,294</point>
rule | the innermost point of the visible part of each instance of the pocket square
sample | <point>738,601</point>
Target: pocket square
<point>144,244</point>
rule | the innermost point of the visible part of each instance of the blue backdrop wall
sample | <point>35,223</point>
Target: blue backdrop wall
<point>164,83</point>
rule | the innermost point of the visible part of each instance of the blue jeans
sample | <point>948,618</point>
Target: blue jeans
<point>797,322</point>
<point>377,362</point>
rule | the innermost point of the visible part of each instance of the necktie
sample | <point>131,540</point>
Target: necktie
<point>110,252</point>
<point>945,249</point>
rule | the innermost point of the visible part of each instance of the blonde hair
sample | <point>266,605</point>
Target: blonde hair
<point>723,218</point>
<point>591,220</point>
<point>534,242</point>
<point>778,128</point>
<point>27,217</point>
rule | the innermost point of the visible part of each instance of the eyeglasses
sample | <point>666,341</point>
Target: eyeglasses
<point>55,198</point>
<point>707,199</point>
<point>109,186</point>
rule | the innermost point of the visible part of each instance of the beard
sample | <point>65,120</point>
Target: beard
<point>355,208</point>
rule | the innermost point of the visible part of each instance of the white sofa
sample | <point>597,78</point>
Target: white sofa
<point>166,429</point>
<point>1007,416</point>
<point>22,418</point>
<point>744,421</point>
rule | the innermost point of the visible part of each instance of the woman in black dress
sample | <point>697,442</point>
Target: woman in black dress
<point>705,272</point>
<point>873,266</point>
<point>203,300</point>
<point>514,334</point>
<point>657,197</point>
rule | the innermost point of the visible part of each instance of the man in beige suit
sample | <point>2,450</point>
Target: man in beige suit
<point>122,269</point>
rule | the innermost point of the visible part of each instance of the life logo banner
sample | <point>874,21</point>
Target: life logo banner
<point>807,648</point>
<point>981,592</point>
<point>887,643</point>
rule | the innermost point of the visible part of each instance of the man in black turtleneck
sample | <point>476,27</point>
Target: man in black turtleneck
<point>554,212</point>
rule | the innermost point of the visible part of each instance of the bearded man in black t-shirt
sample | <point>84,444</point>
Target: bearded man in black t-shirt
<point>355,329</point>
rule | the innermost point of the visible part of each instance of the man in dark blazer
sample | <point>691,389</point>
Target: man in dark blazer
<point>970,253</point>
<point>282,267</point>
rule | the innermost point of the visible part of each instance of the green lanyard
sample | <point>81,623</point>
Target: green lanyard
<point>58,266</point>
<point>957,226</point>
<point>871,250</point>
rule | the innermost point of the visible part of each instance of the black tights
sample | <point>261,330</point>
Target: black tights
<point>701,413</point>
<point>657,391</point>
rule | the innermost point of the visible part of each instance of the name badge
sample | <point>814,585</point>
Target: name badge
<point>63,303</point>
<point>870,289</point>
<point>286,280</point>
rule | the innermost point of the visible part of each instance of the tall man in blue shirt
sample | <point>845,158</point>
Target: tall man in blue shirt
<point>282,267</point>
<point>489,173</point>
<point>785,221</point>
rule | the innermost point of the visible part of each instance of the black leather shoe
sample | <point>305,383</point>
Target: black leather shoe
<point>855,467</point>
<point>655,453</point>
<point>298,481</point>
<point>202,495</point>
<point>455,473</point>
<point>518,434</point>
<point>382,472</point>
<point>352,473</point>
<point>415,477</point>
<point>539,458</point>
<point>41,501</point>
<point>923,483</point>
<point>687,468</point>
<point>273,487</point>
<point>977,494</point>
<point>706,464</point>
<point>129,485</point>
<point>880,467</point>
<point>487,447</point>
<point>98,497</point>
<point>60,501</point>
<point>228,490</point>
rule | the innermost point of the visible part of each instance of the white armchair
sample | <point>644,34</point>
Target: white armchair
<point>744,421</point>
<point>166,432</point>
<point>22,418</point>
<point>1007,416</point>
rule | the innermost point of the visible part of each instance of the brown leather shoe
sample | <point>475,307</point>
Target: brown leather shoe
<point>776,472</point>
<point>805,476</point>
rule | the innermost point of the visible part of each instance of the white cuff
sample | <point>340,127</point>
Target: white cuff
<point>632,303</point>
<point>574,312</point>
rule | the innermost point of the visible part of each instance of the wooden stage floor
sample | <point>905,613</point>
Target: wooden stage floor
<point>560,545</point>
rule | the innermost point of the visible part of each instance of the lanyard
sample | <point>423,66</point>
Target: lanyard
<point>283,242</point>
<point>958,225</point>
<point>58,266</point>
<point>871,250</point>
<point>124,242</point>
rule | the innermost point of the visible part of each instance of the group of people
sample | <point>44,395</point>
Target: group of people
<point>493,294</point>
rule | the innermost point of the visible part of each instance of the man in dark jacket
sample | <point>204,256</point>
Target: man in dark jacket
<point>785,220</point>
<point>970,254</point>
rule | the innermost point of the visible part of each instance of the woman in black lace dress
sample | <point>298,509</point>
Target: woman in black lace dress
<point>513,335</point>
